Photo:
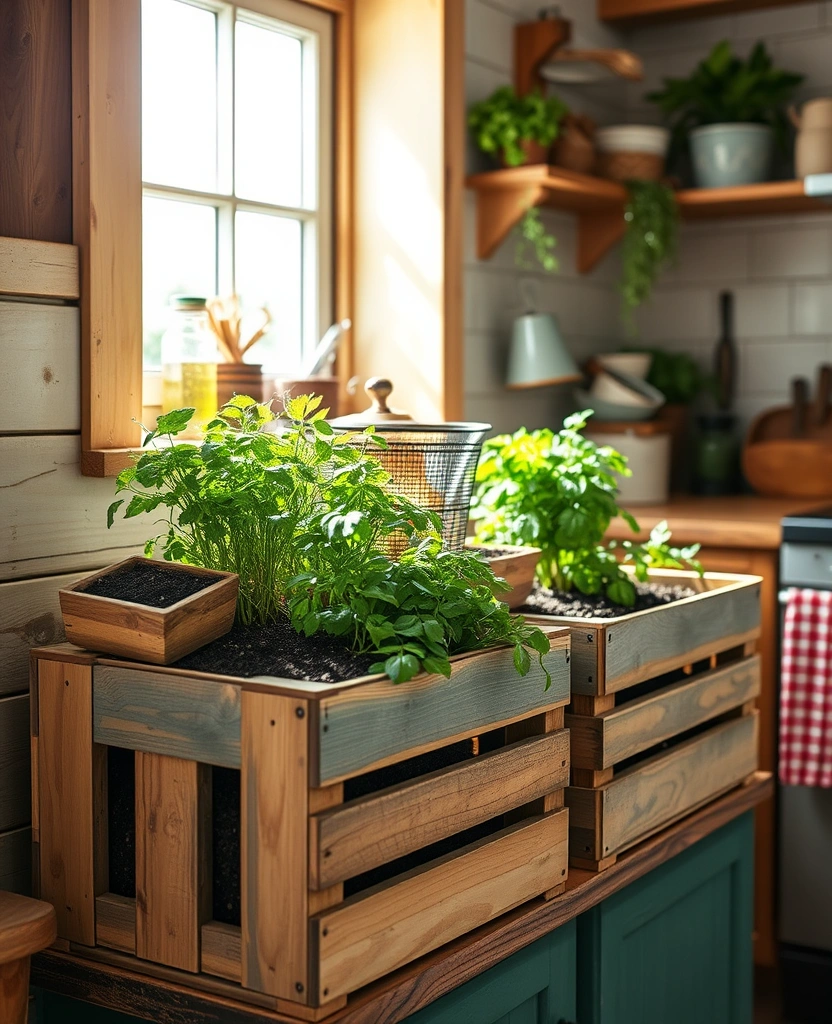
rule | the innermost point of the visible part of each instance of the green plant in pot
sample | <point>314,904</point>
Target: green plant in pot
<point>557,491</point>
<point>731,110</point>
<point>302,517</point>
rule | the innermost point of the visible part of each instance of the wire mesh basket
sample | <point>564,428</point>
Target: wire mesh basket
<point>434,466</point>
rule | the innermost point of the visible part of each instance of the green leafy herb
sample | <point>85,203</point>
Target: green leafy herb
<point>558,492</point>
<point>676,374</point>
<point>303,516</point>
<point>503,121</point>
<point>535,241</point>
<point>724,88</point>
<point>652,217</point>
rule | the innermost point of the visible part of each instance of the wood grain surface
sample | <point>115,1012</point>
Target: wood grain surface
<point>16,861</point>
<point>115,922</point>
<point>38,269</point>
<point>26,926</point>
<point>222,950</point>
<point>15,773</point>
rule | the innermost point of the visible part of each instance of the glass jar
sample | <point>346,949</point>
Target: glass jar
<point>189,363</point>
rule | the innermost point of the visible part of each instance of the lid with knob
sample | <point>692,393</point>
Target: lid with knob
<point>380,414</point>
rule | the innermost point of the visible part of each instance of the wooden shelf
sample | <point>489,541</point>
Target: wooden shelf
<point>632,13</point>
<point>504,196</point>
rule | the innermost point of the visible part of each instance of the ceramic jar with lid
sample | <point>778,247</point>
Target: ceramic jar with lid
<point>813,146</point>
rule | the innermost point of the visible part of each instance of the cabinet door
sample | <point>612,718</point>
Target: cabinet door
<point>535,986</point>
<point>675,945</point>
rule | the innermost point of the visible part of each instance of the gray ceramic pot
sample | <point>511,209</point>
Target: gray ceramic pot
<point>730,154</point>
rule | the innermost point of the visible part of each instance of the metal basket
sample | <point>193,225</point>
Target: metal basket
<point>434,466</point>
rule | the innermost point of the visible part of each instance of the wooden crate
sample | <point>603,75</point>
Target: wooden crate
<point>662,716</point>
<point>377,822</point>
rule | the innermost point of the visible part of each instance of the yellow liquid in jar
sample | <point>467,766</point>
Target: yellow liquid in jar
<point>190,385</point>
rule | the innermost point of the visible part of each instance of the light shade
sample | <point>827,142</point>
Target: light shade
<point>538,355</point>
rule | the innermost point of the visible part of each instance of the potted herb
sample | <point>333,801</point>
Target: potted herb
<point>302,517</point>
<point>731,110</point>
<point>652,218</point>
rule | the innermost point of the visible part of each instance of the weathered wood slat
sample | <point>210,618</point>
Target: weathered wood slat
<point>370,726</point>
<point>172,853</point>
<point>368,832</point>
<point>38,269</point>
<point>65,772</point>
<point>651,795</point>
<point>607,739</point>
<point>29,617</point>
<point>42,344</point>
<point>275,806</point>
<point>190,718</point>
<point>437,903</point>
<point>52,519</point>
<point>15,771</point>
<point>222,950</point>
<point>115,922</point>
<point>16,861</point>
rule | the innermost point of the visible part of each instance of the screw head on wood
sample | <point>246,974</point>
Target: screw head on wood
<point>589,638</point>
<point>298,986</point>
<point>300,712</point>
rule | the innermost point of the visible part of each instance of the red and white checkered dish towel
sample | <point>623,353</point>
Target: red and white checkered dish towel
<point>806,690</point>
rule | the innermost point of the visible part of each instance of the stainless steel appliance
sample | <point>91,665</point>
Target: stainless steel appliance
<point>805,816</point>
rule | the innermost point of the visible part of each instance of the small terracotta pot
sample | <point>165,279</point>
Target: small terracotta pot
<point>326,387</point>
<point>238,379</point>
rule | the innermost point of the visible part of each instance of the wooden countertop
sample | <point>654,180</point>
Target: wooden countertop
<point>741,521</point>
<point>159,995</point>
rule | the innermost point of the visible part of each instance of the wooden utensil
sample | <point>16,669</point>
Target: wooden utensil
<point>800,405</point>
<point>824,395</point>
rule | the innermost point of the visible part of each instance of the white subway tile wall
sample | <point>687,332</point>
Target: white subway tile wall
<point>780,269</point>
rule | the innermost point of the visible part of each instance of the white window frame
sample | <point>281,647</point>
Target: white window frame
<point>314,27</point>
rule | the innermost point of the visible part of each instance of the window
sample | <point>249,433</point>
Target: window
<point>236,166</point>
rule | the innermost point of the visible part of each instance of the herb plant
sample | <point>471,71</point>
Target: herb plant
<point>503,121</point>
<point>558,492</point>
<point>302,516</point>
<point>652,218</point>
<point>676,374</point>
<point>724,88</point>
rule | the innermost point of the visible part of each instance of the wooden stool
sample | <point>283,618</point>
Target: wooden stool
<point>26,926</point>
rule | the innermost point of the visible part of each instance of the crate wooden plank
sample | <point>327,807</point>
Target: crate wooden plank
<point>42,343</point>
<point>656,792</point>
<point>369,726</point>
<point>607,739</point>
<point>662,639</point>
<point>115,922</point>
<point>368,832</point>
<point>222,950</point>
<point>274,810</point>
<point>52,519</point>
<point>29,617</point>
<point>195,719</point>
<point>372,934</point>
<point>65,772</point>
<point>173,798</point>
<point>41,269</point>
<point>16,861</point>
<point>15,772</point>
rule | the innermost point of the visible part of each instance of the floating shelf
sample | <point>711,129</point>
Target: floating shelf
<point>632,13</point>
<point>504,196</point>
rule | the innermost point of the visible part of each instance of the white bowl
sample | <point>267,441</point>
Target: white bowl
<point>624,389</point>
<point>611,412</point>
<point>633,138</point>
<point>636,364</point>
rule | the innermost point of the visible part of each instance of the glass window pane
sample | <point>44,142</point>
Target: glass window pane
<point>268,113</point>
<point>179,95</point>
<point>268,271</point>
<point>179,256</point>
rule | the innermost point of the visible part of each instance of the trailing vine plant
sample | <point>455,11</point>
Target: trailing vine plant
<point>535,241</point>
<point>652,218</point>
<point>302,517</point>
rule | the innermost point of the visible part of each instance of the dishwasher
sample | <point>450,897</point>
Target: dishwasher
<point>805,816</point>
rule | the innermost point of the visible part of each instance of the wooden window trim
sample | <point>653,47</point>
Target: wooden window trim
<point>106,215</point>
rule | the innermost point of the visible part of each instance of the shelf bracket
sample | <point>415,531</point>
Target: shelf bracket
<point>598,232</point>
<point>498,211</point>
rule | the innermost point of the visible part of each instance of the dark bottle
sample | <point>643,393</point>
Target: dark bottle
<point>725,355</point>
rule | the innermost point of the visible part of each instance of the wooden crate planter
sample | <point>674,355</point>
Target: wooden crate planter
<point>340,882</point>
<point>662,716</point>
<point>517,567</point>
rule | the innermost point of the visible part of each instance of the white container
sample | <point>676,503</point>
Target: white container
<point>648,456</point>
<point>633,138</point>
<point>625,389</point>
<point>636,364</point>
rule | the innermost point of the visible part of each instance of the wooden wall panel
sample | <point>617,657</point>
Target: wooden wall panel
<point>15,792</point>
<point>35,120</point>
<point>51,518</point>
<point>16,861</point>
<point>42,346</point>
<point>38,269</point>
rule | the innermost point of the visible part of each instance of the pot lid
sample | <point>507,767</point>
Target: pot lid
<point>380,414</point>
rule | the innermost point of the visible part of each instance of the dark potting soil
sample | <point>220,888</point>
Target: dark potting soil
<point>493,552</point>
<point>579,606</point>
<point>277,650</point>
<point>156,586</point>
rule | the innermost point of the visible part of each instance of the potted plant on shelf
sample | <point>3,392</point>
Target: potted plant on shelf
<point>731,110</point>
<point>520,130</point>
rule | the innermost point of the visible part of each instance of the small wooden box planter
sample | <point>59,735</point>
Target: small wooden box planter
<point>376,822</point>
<point>157,635</point>
<point>662,716</point>
<point>516,566</point>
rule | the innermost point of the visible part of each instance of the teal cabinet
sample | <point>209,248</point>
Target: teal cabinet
<point>535,986</point>
<point>675,945</point>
